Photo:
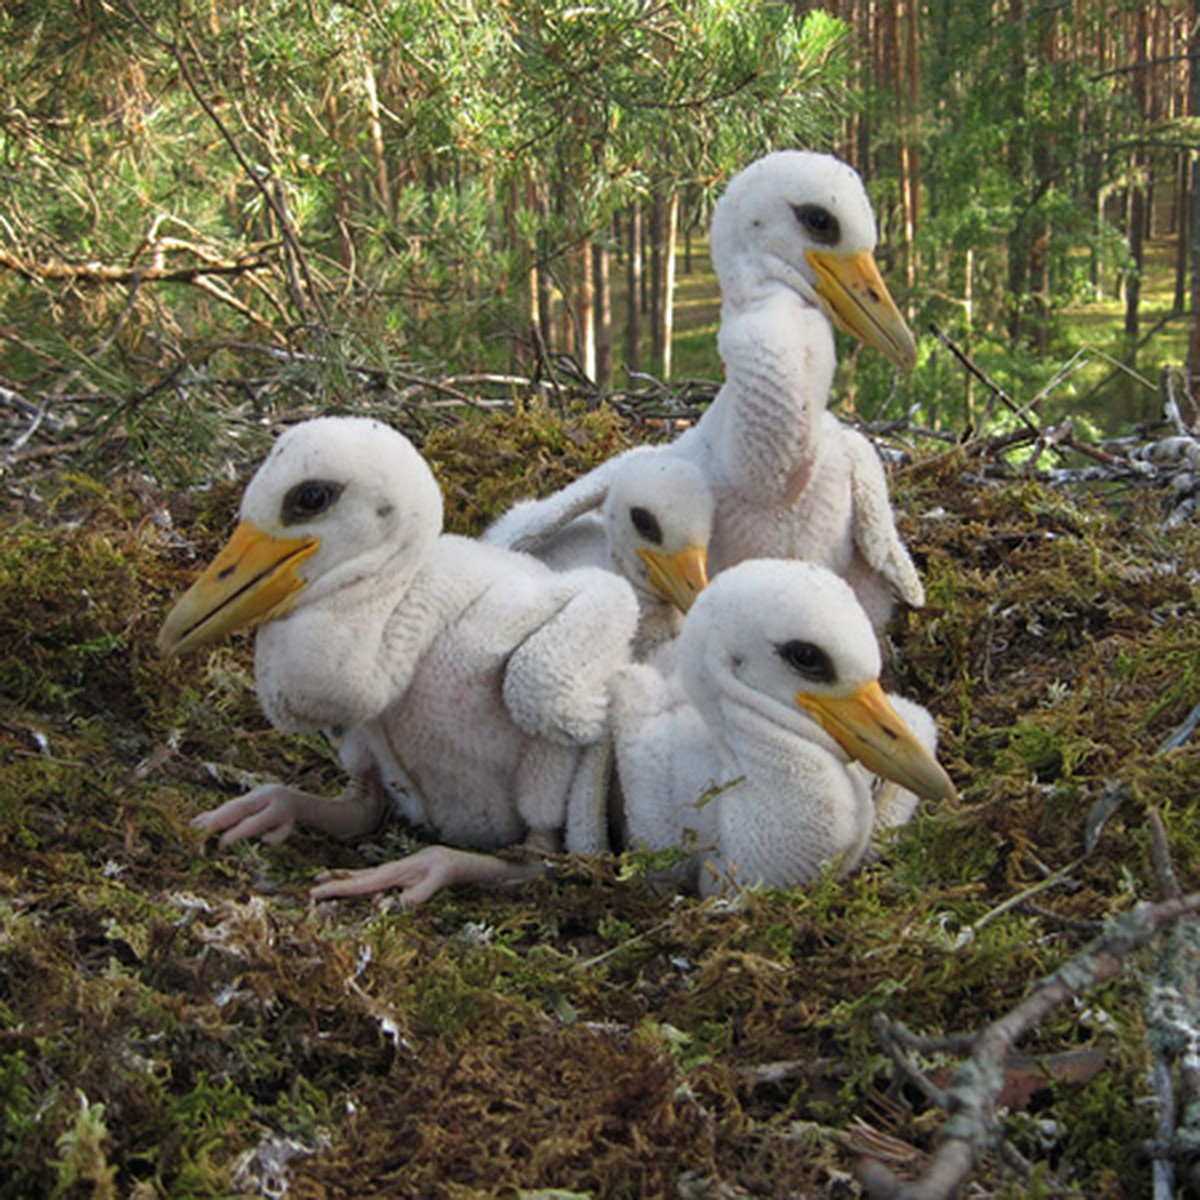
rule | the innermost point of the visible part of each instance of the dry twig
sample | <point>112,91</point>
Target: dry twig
<point>98,272</point>
<point>972,1128</point>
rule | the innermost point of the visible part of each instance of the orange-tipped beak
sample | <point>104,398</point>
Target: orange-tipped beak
<point>868,728</point>
<point>253,579</point>
<point>680,577</point>
<point>859,302</point>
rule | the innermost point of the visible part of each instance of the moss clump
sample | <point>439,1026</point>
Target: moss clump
<point>484,465</point>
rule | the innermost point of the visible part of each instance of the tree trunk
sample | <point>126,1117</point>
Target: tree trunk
<point>883,41</point>
<point>585,308</point>
<point>910,101</point>
<point>633,267</point>
<point>1183,229</point>
<point>1194,222</point>
<point>1137,251</point>
<point>859,130</point>
<point>1018,238</point>
<point>1043,170</point>
<point>602,317</point>
<point>665,224</point>
<point>969,322</point>
<point>1138,198</point>
<point>658,237</point>
<point>544,304</point>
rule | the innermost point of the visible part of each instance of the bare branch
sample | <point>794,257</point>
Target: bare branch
<point>972,1127</point>
<point>992,386</point>
<point>97,272</point>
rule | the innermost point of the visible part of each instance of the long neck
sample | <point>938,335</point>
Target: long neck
<point>779,360</point>
<point>659,622</point>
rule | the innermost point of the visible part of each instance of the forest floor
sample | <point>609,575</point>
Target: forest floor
<point>180,1021</point>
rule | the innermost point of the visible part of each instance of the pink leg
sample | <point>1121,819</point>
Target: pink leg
<point>421,875</point>
<point>271,812</point>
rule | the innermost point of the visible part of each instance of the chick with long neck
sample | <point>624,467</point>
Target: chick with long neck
<point>793,239</point>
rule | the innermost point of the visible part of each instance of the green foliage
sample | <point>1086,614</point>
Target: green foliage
<point>377,187</point>
<point>373,184</point>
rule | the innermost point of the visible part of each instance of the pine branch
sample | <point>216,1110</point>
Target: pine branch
<point>293,252</point>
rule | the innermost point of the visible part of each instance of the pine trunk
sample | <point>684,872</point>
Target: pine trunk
<point>585,309</point>
<point>1183,231</point>
<point>1194,223</point>
<point>666,314</point>
<point>1139,169</point>
<point>1043,171</point>
<point>658,238</point>
<point>909,152</point>
<point>544,302</point>
<point>602,317</point>
<point>1018,238</point>
<point>633,267</point>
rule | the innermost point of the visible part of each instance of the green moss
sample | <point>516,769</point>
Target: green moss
<point>591,1032</point>
<point>18,1122</point>
<point>484,465</point>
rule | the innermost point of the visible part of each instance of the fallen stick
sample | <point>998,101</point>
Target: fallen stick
<point>972,1128</point>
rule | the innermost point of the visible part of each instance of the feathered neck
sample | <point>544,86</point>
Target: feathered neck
<point>779,358</point>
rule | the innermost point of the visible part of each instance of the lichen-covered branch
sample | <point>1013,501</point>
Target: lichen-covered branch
<point>972,1127</point>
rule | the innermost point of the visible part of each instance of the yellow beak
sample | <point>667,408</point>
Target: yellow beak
<point>859,302</point>
<point>680,577</point>
<point>252,579</point>
<point>868,728</point>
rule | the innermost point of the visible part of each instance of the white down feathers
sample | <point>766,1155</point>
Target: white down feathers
<point>467,676</point>
<point>787,478</point>
<point>717,756</point>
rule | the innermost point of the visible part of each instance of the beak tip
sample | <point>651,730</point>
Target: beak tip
<point>941,787</point>
<point>903,352</point>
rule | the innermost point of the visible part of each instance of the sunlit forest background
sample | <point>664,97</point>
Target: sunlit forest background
<point>209,206</point>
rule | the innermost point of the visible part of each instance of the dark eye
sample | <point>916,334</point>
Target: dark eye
<point>309,499</point>
<point>646,523</point>
<point>819,223</point>
<point>808,660</point>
